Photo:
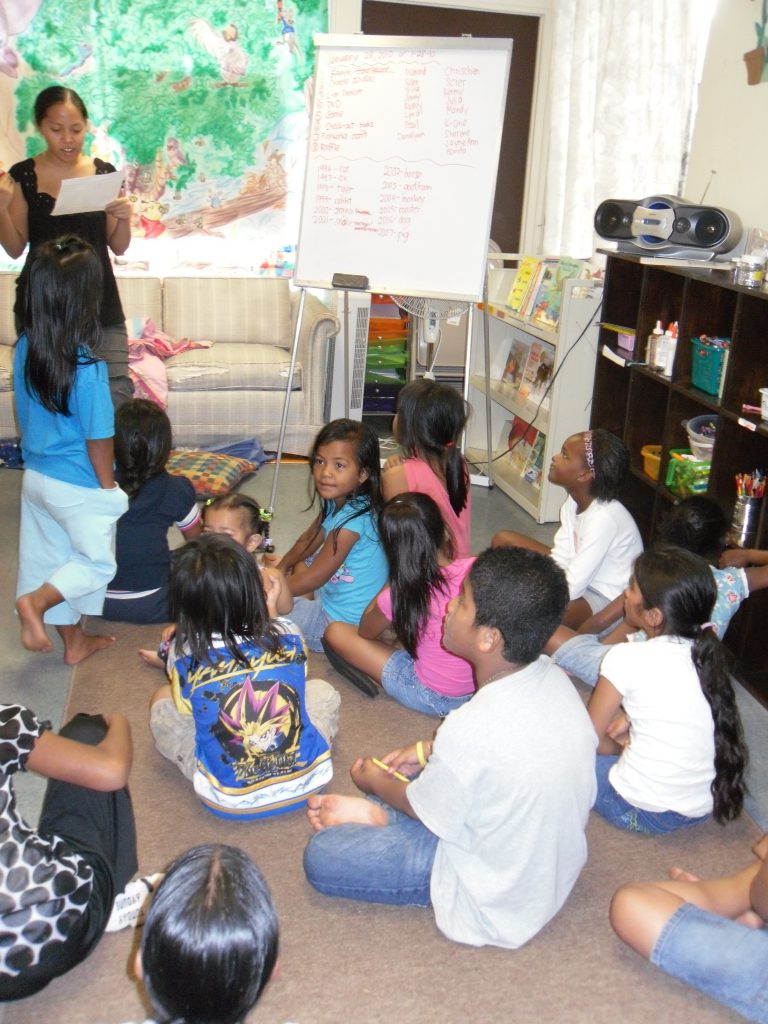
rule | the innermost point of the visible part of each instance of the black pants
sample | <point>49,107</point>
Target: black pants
<point>99,826</point>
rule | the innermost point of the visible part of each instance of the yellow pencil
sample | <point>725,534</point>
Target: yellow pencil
<point>389,771</point>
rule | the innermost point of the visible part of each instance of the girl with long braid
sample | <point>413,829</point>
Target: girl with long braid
<point>678,757</point>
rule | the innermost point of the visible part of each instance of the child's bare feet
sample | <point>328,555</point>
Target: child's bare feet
<point>33,634</point>
<point>79,645</point>
<point>151,658</point>
<point>332,809</point>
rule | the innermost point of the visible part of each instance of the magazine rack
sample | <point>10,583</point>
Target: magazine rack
<point>540,389</point>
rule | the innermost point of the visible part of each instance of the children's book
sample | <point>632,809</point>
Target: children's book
<point>525,272</point>
<point>515,364</point>
<point>520,442</point>
<point>544,272</point>
<point>538,372</point>
<point>549,298</point>
<point>535,463</point>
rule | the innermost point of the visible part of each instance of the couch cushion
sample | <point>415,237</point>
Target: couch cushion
<point>222,309</point>
<point>229,367</point>
<point>6,368</point>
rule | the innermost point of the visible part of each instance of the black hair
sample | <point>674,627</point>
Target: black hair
<point>367,495</point>
<point>611,464</point>
<point>57,94</point>
<point>238,502</point>
<point>681,585</point>
<point>430,419</point>
<point>143,443</point>
<point>412,533</point>
<point>215,589</point>
<point>521,593</point>
<point>210,939</point>
<point>697,524</point>
<point>60,317</point>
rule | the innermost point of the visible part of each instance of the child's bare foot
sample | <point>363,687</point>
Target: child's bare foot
<point>151,658</point>
<point>332,809</point>
<point>79,645</point>
<point>681,875</point>
<point>33,634</point>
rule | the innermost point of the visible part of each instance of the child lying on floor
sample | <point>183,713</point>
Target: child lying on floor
<point>485,823</point>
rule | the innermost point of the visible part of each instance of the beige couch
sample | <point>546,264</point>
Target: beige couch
<point>236,388</point>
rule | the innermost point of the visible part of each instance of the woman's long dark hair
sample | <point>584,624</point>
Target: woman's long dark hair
<point>142,443</point>
<point>215,590</point>
<point>60,318</point>
<point>412,534</point>
<point>430,419</point>
<point>210,940</point>
<point>681,585</point>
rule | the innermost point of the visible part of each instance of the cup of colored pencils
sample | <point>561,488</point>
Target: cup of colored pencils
<point>750,488</point>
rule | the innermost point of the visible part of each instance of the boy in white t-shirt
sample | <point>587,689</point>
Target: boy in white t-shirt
<point>485,823</point>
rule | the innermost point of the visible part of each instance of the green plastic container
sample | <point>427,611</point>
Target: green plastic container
<point>685,477</point>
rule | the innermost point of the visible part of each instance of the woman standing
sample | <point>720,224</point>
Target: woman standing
<point>28,194</point>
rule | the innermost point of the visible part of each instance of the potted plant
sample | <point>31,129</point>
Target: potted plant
<point>755,59</point>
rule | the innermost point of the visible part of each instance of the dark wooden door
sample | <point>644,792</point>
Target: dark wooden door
<point>393,19</point>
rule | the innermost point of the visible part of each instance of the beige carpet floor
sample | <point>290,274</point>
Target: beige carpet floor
<point>346,961</point>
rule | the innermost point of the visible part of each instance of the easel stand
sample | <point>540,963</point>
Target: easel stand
<point>346,283</point>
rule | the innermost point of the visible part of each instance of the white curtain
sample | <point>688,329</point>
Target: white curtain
<point>623,91</point>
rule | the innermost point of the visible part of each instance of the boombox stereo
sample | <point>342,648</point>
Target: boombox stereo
<point>668,226</point>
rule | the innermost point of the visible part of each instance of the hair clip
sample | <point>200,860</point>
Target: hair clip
<point>60,246</point>
<point>589,454</point>
<point>208,502</point>
<point>449,444</point>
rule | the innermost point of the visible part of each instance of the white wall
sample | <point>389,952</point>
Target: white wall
<point>730,135</point>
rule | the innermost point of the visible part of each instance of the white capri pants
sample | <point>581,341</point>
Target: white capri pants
<point>67,539</point>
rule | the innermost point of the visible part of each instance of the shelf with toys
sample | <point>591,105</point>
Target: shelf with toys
<point>720,362</point>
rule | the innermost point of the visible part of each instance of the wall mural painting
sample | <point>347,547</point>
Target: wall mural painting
<point>204,103</point>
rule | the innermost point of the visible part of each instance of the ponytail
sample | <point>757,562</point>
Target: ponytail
<point>713,665</point>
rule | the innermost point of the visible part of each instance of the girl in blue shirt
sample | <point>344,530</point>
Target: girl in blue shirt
<point>69,501</point>
<point>339,560</point>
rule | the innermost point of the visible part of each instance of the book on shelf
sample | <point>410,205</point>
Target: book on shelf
<point>515,364</point>
<point>535,463</point>
<point>549,297</point>
<point>525,272</point>
<point>537,373</point>
<point>521,438</point>
<point>543,270</point>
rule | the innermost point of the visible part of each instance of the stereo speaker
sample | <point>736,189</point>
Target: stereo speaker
<point>669,226</point>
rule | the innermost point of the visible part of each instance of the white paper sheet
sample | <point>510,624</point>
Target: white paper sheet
<point>83,195</point>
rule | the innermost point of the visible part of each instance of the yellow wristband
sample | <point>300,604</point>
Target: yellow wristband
<point>420,753</point>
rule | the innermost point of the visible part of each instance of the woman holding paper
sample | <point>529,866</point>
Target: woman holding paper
<point>28,194</point>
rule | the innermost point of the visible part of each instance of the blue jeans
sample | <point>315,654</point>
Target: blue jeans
<point>619,812</point>
<point>390,863</point>
<point>311,620</point>
<point>717,956</point>
<point>581,656</point>
<point>400,681</point>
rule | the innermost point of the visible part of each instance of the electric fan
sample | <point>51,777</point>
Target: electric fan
<point>429,313</point>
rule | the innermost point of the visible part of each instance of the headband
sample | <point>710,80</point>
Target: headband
<point>589,454</point>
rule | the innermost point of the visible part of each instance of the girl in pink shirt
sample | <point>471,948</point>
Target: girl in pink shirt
<point>428,426</point>
<point>417,670</point>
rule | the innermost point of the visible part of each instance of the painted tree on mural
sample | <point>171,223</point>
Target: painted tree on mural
<point>195,97</point>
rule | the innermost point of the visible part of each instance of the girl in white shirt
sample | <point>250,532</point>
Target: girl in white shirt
<point>678,755</point>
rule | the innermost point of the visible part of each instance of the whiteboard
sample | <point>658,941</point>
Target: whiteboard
<point>401,163</point>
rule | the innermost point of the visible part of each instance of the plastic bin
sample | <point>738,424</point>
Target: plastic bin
<point>701,432</point>
<point>686,477</point>
<point>651,460</point>
<point>707,364</point>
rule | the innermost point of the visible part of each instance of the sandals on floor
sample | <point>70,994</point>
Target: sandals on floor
<point>362,681</point>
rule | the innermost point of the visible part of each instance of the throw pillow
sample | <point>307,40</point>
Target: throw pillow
<point>211,474</point>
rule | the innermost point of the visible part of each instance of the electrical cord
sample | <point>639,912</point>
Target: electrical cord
<point>549,386</point>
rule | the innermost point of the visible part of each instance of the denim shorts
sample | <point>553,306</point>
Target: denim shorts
<point>311,620</point>
<point>400,681</point>
<point>581,656</point>
<point>724,960</point>
<point>619,812</point>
